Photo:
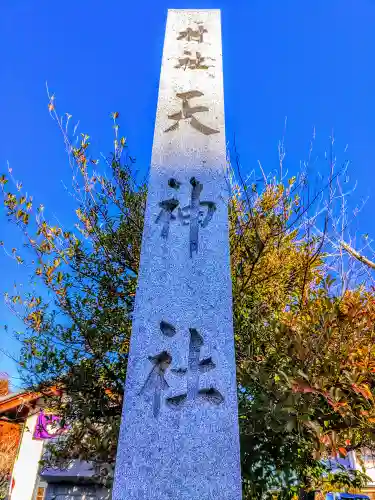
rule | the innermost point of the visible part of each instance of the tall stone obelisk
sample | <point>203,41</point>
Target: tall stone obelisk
<point>179,436</point>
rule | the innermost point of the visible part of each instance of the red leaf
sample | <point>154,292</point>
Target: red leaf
<point>302,387</point>
<point>364,390</point>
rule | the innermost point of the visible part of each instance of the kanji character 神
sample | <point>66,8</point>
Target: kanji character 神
<point>192,214</point>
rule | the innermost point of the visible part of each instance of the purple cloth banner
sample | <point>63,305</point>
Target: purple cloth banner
<point>48,426</point>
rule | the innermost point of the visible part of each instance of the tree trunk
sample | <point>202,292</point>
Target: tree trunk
<point>306,495</point>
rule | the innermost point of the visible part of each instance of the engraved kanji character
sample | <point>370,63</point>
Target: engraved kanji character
<point>195,368</point>
<point>192,62</point>
<point>166,215</point>
<point>194,215</point>
<point>193,35</point>
<point>188,113</point>
<point>156,382</point>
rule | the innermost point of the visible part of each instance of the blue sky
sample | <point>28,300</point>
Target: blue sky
<point>310,60</point>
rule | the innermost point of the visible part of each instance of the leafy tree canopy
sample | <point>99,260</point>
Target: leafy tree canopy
<point>303,306</point>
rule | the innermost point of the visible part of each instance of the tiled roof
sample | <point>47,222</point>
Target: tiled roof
<point>10,396</point>
<point>15,399</point>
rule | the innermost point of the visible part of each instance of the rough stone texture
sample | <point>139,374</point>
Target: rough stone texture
<point>76,492</point>
<point>76,469</point>
<point>188,448</point>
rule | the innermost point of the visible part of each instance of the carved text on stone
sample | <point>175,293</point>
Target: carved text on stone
<point>187,113</point>
<point>156,382</point>
<point>190,34</point>
<point>197,214</point>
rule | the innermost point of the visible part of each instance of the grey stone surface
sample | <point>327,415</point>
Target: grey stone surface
<point>179,435</point>
<point>76,492</point>
<point>76,469</point>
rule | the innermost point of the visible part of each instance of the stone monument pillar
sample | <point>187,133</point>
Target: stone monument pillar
<point>179,436</point>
